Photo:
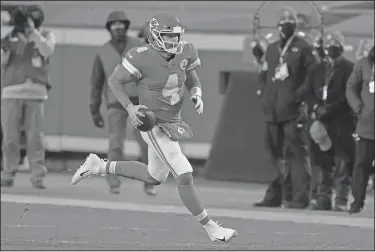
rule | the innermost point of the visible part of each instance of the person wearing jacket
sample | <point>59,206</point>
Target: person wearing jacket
<point>333,122</point>
<point>360,95</point>
<point>107,58</point>
<point>25,62</point>
<point>285,70</point>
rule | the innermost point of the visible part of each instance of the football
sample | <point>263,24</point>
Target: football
<point>149,120</point>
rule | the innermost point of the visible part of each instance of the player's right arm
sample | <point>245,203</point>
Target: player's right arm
<point>124,73</point>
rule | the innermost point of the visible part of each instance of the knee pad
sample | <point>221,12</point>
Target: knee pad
<point>185,179</point>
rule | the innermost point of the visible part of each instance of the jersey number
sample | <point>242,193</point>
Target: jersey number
<point>171,89</point>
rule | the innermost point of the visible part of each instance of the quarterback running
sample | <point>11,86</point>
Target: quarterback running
<point>162,70</point>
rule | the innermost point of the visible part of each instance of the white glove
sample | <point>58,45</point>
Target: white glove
<point>196,94</point>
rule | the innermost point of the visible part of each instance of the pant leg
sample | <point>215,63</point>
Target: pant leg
<point>345,142</point>
<point>315,182</point>
<point>10,121</point>
<point>23,143</point>
<point>341,182</point>
<point>365,153</point>
<point>23,137</point>
<point>169,152</point>
<point>298,161</point>
<point>325,188</point>
<point>274,148</point>
<point>157,167</point>
<point>34,119</point>
<point>117,128</point>
<point>315,160</point>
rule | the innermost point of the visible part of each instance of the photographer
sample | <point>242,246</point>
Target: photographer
<point>25,60</point>
<point>333,122</point>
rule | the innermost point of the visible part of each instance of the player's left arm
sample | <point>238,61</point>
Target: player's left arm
<point>192,82</point>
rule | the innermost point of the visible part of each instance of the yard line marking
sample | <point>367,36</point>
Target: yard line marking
<point>30,226</point>
<point>295,217</point>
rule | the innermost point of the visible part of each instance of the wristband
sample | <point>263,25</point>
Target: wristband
<point>196,91</point>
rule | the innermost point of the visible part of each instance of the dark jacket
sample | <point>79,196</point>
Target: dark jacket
<point>281,100</point>
<point>360,99</point>
<point>335,105</point>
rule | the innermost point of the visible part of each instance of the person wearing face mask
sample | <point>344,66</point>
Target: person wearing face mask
<point>108,57</point>
<point>331,144</point>
<point>284,72</point>
<point>360,95</point>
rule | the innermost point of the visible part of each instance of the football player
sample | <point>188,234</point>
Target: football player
<point>161,68</point>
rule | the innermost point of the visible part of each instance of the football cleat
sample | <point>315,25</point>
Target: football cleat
<point>91,167</point>
<point>150,190</point>
<point>217,233</point>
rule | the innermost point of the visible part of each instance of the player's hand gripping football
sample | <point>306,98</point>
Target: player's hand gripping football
<point>134,113</point>
<point>197,100</point>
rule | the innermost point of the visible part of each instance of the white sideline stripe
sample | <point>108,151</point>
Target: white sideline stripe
<point>97,37</point>
<point>217,212</point>
<point>100,145</point>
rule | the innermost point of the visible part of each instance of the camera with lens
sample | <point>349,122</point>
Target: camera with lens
<point>21,15</point>
<point>19,20</point>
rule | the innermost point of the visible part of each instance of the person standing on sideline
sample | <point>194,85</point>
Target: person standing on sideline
<point>284,74</point>
<point>25,58</point>
<point>108,57</point>
<point>333,123</point>
<point>360,95</point>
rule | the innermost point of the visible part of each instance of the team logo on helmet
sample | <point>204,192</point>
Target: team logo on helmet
<point>181,130</point>
<point>183,64</point>
<point>153,23</point>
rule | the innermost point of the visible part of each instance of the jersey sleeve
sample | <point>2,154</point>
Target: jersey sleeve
<point>132,61</point>
<point>193,60</point>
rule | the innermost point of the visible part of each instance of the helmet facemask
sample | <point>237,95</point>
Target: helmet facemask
<point>168,46</point>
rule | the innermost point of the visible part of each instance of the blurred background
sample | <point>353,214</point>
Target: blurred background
<point>232,126</point>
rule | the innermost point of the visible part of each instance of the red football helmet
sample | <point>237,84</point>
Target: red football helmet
<point>166,24</point>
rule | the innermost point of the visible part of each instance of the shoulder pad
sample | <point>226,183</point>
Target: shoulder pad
<point>137,55</point>
<point>141,49</point>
